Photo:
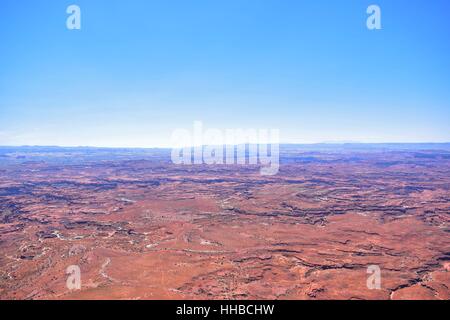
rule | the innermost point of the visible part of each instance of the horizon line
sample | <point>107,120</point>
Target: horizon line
<point>193,146</point>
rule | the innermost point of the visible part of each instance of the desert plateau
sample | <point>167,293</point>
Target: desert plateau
<point>140,227</point>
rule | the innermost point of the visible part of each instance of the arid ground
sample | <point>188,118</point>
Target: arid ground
<point>140,227</point>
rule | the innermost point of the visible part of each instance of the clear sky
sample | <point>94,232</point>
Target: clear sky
<point>139,69</point>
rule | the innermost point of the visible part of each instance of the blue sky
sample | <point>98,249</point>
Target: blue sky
<point>139,69</point>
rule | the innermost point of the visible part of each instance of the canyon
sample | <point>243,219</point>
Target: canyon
<point>141,227</point>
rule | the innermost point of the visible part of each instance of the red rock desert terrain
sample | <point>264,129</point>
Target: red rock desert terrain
<point>140,227</point>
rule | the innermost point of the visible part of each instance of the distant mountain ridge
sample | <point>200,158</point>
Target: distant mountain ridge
<point>283,146</point>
